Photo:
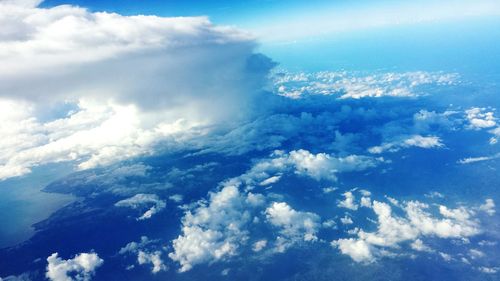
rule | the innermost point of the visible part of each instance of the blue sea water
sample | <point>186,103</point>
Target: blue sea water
<point>23,203</point>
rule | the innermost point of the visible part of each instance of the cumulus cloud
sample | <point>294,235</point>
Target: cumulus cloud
<point>346,220</point>
<point>417,223</point>
<point>294,225</point>
<point>349,201</point>
<point>214,230</point>
<point>407,141</point>
<point>141,201</point>
<point>130,81</point>
<point>496,135</point>
<point>479,118</point>
<point>153,258</point>
<point>329,224</point>
<point>365,202</point>
<point>145,255</point>
<point>82,267</point>
<point>351,85</point>
<point>358,250</point>
<point>304,163</point>
<point>488,207</point>
<point>324,165</point>
<point>418,245</point>
<point>217,228</point>
<point>259,245</point>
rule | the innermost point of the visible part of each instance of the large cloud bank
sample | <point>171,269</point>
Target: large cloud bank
<point>96,87</point>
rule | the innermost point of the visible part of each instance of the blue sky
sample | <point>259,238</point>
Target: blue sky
<point>221,11</point>
<point>318,35</point>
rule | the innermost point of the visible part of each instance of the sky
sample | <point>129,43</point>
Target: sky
<point>352,35</point>
<point>179,140</point>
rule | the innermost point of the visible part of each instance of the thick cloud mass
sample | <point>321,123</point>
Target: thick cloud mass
<point>66,52</point>
<point>131,82</point>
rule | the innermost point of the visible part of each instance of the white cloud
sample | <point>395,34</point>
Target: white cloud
<point>325,166</point>
<point>294,225</point>
<point>434,194</point>
<point>478,159</point>
<point>349,201</point>
<point>357,249</point>
<point>365,202</point>
<point>153,258</point>
<point>177,198</point>
<point>304,163</point>
<point>22,3</point>
<point>81,267</point>
<point>479,118</point>
<point>483,243</point>
<point>215,229</point>
<point>413,226</point>
<point>329,224</point>
<point>99,46</point>
<point>496,135</point>
<point>26,276</point>
<point>424,119</point>
<point>457,223</point>
<point>488,207</point>
<point>141,201</point>
<point>407,141</point>
<point>271,180</point>
<point>346,220</point>
<point>145,255</point>
<point>418,245</point>
<point>489,270</point>
<point>135,81</point>
<point>329,189</point>
<point>391,230</point>
<point>365,192</point>
<point>446,257</point>
<point>259,245</point>
<point>475,254</point>
<point>345,85</point>
<point>483,118</point>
